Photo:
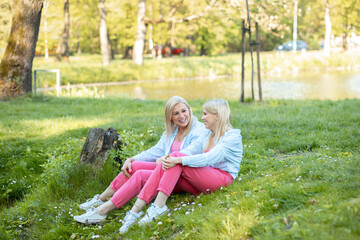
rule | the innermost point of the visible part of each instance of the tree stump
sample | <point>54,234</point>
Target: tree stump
<point>97,145</point>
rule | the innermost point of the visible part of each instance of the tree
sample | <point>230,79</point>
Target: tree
<point>140,36</point>
<point>104,39</point>
<point>346,18</point>
<point>63,48</point>
<point>16,65</point>
<point>327,29</point>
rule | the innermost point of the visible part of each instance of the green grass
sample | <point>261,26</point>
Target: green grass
<point>88,68</point>
<point>299,177</point>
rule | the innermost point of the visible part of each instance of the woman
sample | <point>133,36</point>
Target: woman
<point>217,166</point>
<point>181,130</point>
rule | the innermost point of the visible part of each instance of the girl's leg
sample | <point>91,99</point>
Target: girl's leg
<point>120,180</point>
<point>206,179</point>
<point>131,188</point>
<point>160,180</point>
<point>106,194</point>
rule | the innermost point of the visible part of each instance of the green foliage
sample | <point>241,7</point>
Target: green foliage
<point>298,178</point>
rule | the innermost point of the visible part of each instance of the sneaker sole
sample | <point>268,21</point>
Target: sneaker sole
<point>88,221</point>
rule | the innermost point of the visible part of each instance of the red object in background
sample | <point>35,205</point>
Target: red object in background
<point>174,51</point>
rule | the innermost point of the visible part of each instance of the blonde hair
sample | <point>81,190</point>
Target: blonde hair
<point>169,107</point>
<point>219,107</point>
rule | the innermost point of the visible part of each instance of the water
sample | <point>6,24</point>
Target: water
<point>317,86</point>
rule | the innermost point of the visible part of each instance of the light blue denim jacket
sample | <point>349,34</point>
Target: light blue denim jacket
<point>163,147</point>
<point>225,155</point>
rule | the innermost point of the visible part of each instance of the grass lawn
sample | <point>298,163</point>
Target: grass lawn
<point>299,176</point>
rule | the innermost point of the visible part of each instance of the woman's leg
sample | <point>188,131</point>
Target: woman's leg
<point>206,179</point>
<point>160,180</point>
<point>131,188</point>
<point>120,180</point>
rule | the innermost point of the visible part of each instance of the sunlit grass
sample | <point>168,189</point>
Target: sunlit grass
<point>299,177</point>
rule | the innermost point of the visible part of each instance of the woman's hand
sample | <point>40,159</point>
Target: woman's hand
<point>126,168</point>
<point>160,159</point>
<point>170,162</point>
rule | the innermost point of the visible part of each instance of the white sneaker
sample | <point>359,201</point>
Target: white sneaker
<point>92,202</point>
<point>90,217</point>
<point>129,220</point>
<point>152,213</point>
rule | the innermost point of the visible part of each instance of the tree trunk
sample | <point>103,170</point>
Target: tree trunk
<point>16,65</point>
<point>243,49</point>
<point>104,40</point>
<point>327,29</point>
<point>63,48</point>
<point>140,37</point>
<point>97,145</point>
<point>295,26</point>
<point>128,52</point>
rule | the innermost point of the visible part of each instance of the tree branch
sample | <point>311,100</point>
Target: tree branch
<point>170,19</point>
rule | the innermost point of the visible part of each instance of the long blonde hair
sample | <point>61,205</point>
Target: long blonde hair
<point>169,107</point>
<point>219,107</point>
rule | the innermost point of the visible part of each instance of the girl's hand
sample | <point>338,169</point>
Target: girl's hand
<point>170,162</point>
<point>160,159</point>
<point>126,168</point>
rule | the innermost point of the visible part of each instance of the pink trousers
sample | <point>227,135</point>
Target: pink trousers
<point>127,188</point>
<point>190,179</point>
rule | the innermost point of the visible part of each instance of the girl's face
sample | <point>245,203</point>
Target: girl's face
<point>209,120</point>
<point>180,115</point>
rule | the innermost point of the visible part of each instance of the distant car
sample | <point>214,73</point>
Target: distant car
<point>174,51</point>
<point>288,46</point>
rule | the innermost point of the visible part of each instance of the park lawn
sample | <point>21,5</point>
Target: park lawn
<point>299,176</point>
<point>85,69</point>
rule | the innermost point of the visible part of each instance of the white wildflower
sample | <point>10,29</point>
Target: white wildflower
<point>187,213</point>
<point>159,223</point>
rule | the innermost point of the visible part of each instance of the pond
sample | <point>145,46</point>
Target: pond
<point>332,86</point>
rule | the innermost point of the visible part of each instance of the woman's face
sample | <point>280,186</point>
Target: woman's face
<point>209,120</point>
<point>180,115</point>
